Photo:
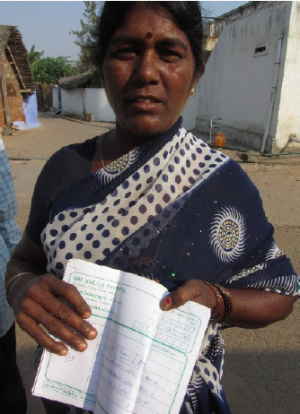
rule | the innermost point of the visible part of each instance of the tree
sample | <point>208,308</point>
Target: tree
<point>34,55</point>
<point>87,36</point>
<point>49,70</point>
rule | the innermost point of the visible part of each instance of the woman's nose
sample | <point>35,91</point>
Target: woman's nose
<point>146,69</point>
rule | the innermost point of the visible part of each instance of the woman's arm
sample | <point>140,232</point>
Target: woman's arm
<point>36,298</point>
<point>251,308</point>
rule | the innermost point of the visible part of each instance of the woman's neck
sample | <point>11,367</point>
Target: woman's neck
<point>108,148</point>
<point>116,144</point>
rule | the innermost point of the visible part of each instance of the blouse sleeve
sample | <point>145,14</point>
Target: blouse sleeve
<point>64,169</point>
<point>48,186</point>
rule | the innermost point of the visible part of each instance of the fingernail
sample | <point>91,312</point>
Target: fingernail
<point>92,334</point>
<point>81,346</point>
<point>63,352</point>
<point>167,302</point>
<point>89,332</point>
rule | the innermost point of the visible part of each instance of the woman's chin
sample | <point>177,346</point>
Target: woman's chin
<point>146,129</point>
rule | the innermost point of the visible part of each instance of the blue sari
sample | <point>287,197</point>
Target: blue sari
<point>173,209</point>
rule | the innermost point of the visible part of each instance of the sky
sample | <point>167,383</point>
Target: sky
<point>47,24</point>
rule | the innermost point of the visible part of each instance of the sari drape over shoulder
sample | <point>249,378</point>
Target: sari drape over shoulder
<point>173,209</point>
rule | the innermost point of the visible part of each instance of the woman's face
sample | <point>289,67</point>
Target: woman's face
<point>148,73</point>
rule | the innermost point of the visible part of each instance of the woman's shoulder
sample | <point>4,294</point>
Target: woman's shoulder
<point>212,153</point>
<point>220,167</point>
<point>76,155</point>
<point>79,146</point>
<point>85,149</point>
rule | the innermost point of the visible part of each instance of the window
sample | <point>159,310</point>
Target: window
<point>260,50</point>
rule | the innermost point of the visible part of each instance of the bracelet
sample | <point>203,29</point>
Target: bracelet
<point>220,302</point>
<point>11,281</point>
<point>227,301</point>
<point>224,302</point>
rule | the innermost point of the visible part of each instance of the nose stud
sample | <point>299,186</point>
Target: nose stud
<point>192,91</point>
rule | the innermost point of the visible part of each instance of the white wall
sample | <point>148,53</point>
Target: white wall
<point>190,112</point>
<point>237,85</point>
<point>97,103</point>
<point>55,97</point>
<point>71,101</point>
<point>289,108</point>
<point>93,100</point>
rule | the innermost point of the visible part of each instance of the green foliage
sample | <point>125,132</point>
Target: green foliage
<point>87,36</point>
<point>49,70</point>
<point>34,55</point>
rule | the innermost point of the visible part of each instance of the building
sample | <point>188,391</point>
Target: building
<point>83,97</point>
<point>252,78</point>
<point>16,82</point>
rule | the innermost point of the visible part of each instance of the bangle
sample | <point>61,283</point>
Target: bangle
<point>224,302</point>
<point>220,302</point>
<point>11,281</point>
<point>227,301</point>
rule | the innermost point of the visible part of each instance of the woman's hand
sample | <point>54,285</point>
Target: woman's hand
<point>39,302</point>
<point>194,290</point>
<point>251,308</point>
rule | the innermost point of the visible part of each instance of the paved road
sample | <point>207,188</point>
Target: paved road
<point>261,366</point>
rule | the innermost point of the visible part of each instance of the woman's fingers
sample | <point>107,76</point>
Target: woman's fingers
<point>70,293</point>
<point>31,327</point>
<point>44,303</point>
<point>194,290</point>
<point>52,323</point>
<point>47,298</point>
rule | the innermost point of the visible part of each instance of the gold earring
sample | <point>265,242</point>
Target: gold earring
<point>192,91</point>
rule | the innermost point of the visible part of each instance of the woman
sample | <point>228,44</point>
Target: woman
<point>150,198</point>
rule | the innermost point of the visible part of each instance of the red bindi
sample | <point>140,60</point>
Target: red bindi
<point>149,35</point>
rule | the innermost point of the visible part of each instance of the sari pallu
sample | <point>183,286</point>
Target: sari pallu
<point>173,209</point>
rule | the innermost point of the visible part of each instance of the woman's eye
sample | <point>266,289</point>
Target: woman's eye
<point>170,55</point>
<point>124,52</point>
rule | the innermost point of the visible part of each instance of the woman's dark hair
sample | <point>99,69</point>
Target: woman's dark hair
<point>186,15</point>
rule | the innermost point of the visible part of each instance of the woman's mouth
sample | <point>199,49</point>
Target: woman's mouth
<point>145,100</point>
<point>145,103</point>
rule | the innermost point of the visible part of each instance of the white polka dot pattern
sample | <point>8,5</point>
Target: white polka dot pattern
<point>158,186</point>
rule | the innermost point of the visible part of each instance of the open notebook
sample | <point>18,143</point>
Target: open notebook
<point>142,358</point>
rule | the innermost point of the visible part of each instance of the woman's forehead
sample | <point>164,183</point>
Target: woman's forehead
<point>147,22</point>
<point>141,10</point>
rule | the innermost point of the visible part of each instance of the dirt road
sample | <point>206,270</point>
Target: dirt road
<point>261,366</point>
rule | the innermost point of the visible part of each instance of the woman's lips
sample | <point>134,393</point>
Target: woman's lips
<point>144,103</point>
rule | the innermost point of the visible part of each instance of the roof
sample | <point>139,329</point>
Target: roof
<point>90,79</point>
<point>244,9</point>
<point>12,44</point>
